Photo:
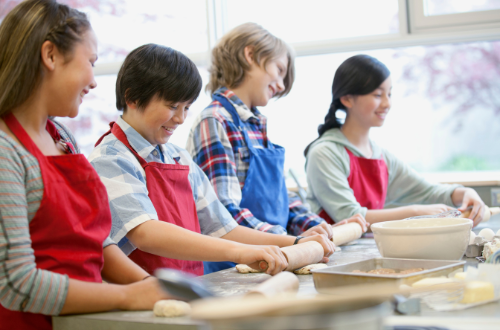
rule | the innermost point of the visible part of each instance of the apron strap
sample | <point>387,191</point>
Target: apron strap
<point>18,130</point>
<point>236,119</point>
<point>120,135</point>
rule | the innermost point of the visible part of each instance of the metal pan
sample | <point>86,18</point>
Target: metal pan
<point>335,276</point>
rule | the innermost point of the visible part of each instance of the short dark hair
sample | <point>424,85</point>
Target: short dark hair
<point>156,71</point>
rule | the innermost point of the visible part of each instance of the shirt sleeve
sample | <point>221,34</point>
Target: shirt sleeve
<point>406,186</point>
<point>300,218</point>
<point>23,287</point>
<point>127,192</point>
<point>327,172</point>
<point>213,217</point>
<point>212,151</point>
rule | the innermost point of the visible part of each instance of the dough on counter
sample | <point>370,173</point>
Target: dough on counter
<point>306,270</point>
<point>171,308</point>
<point>245,269</point>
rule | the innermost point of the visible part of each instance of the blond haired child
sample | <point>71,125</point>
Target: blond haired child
<point>229,139</point>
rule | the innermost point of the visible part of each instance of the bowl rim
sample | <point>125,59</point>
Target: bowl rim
<point>378,227</point>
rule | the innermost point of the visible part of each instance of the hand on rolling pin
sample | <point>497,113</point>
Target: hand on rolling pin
<point>325,242</point>
<point>472,200</point>
<point>321,229</point>
<point>256,256</point>
<point>355,218</point>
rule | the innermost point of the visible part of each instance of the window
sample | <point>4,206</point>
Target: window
<point>301,21</point>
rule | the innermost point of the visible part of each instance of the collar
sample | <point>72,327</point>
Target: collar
<point>141,145</point>
<point>241,109</point>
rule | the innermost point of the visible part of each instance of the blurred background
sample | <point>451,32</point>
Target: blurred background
<point>444,56</point>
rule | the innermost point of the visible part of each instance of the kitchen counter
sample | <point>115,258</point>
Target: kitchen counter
<point>229,282</point>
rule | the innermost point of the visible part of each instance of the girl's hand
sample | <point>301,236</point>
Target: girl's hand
<point>326,243</point>
<point>472,199</point>
<point>430,209</point>
<point>321,229</point>
<point>355,218</point>
<point>142,295</point>
<point>248,254</point>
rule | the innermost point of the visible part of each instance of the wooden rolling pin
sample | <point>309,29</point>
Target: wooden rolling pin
<point>299,255</point>
<point>346,233</point>
<point>284,282</point>
<point>488,212</point>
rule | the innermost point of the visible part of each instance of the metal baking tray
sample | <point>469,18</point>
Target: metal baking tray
<point>330,277</point>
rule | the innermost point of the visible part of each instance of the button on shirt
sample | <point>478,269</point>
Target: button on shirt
<point>125,182</point>
<point>218,147</point>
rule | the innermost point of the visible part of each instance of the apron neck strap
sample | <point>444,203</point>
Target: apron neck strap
<point>19,131</point>
<point>236,119</point>
<point>120,135</point>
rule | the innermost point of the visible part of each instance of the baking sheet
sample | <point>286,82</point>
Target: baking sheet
<point>339,275</point>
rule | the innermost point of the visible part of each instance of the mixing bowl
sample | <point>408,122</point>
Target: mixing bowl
<point>432,238</point>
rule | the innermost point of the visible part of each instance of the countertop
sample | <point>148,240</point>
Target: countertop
<point>229,282</point>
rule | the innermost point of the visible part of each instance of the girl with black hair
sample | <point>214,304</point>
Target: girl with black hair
<point>347,173</point>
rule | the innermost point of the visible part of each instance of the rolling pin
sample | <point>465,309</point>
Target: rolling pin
<point>298,256</point>
<point>282,283</point>
<point>488,212</point>
<point>346,233</point>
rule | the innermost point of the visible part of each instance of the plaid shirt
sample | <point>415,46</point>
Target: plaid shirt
<point>218,147</point>
<point>125,181</point>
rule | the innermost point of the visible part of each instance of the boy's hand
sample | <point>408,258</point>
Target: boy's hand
<point>142,295</point>
<point>325,242</point>
<point>321,229</point>
<point>276,261</point>
<point>355,218</point>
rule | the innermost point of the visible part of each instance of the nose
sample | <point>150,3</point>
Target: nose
<point>93,84</point>
<point>280,86</point>
<point>386,102</point>
<point>180,116</point>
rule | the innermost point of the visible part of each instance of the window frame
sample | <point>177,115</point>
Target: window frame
<point>415,29</point>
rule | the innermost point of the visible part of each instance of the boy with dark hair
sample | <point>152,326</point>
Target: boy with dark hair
<point>161,201</point>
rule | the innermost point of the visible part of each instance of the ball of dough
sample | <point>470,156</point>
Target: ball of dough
<point>306,270</point>
<point>171,308</point>
<point>245,269</point>
<point>487,233</point>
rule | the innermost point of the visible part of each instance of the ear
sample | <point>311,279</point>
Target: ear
<point>49,54</point>
<point>347,101</point>
<point>249,54</point>
<point>131,105</point>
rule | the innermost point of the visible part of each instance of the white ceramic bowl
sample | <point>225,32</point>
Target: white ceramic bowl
<point>433,238</point>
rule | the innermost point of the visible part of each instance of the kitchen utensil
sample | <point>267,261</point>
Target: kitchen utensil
<point>488,212</point>
<point>346,233</point>
<point>428,238</point>
<point>181,284</point>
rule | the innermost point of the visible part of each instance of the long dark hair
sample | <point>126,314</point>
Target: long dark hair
<point>358,75</point>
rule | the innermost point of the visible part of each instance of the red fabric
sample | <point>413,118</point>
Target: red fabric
<point>71,224</point>
<point>170,192</point>
<point>368,179</point>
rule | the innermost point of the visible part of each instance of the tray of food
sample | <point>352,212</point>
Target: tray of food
<point>383,270</point>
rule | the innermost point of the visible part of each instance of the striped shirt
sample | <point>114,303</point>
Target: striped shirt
<point>24,287</point>
<point>125,182</point>
<point>218,147</point>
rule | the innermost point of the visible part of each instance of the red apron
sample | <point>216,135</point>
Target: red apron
<point>368,180</point>
<point>170,192</point>
<point>71,224</point>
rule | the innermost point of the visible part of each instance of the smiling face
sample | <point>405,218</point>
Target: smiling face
<point>369,110</point>
<point>158,120</point>
<point>262,84</point>
<point>73,77</point>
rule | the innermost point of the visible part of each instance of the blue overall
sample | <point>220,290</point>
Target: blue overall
<point>264,192</point>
